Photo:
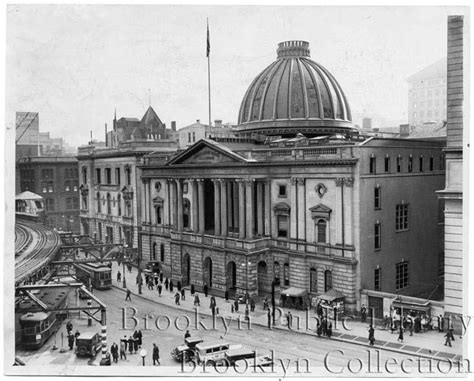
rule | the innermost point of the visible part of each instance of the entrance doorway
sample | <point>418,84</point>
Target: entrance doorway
<point>263,279</point>
<point>186,269</point>
<point>207,272</point>
<point>231,277</point>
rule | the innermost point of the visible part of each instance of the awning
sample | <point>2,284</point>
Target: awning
<point>422,306</point>
<point>294,292</point>
<point>332,295</point>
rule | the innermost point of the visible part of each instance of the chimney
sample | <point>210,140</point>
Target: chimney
<point>218,123</point>
<point>173,125</point>
<point>198,120</point>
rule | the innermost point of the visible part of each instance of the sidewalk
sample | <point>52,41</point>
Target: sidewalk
<point>427,344</point>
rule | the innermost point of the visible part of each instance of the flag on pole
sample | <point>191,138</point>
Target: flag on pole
<point>208,48</point>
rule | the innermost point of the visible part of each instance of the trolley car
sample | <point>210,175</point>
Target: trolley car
<point>36,325</point>
<point>97,275</point>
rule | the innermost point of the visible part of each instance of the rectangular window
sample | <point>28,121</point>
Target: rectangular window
<point>286,274</point>
<point>313,281</point>
<point>75,186</point>
<point>377,279</point>
<point>431,163</point>
<point>387,164</point>
<point>441,162</point>
<point>117,176</point>
<point>401,276</point>
<point>399,164</point>
<point>69,203</point>
<point>84,175</point>
<point>282,191</point>
<point>410,164</point>
<point>50,204</point>
<point>67,186</point>
<point>377,236</point>
<point>194,137</point>
<point>47,173</point>
<point>189,137</point>
<point>421,163</point>
<point>372,165</point>
<point>97,176</point>
<point>108,176</point>
<point>401,217</point>
<point>282,222</point>
<point>377,198</point>
<point>75,203</point>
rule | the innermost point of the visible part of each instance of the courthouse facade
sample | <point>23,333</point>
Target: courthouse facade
<point>313,206</point>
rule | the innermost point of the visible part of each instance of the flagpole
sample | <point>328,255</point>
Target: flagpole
<point>208,75</point>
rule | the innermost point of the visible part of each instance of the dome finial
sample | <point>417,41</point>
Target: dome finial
<point>293,48</point>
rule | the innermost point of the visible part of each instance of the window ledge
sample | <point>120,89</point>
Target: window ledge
<point>402,231</point>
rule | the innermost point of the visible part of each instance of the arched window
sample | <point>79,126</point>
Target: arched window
<point>313,280</point>
<point>153,258</point>
<point>84,175</point>
<point>158,219</point>
<point>99,210</point>
<point>186,212</point>
<point>327,280</point>
<point>109,204</point>
<point>162,252</point>
<point>276,272</point>
<point>321,227</point>
<point>119,202</point>
<point>286,274</point>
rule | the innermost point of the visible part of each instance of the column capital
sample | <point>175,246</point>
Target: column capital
<point>339,181</point>
<point>249,181</point>
<point>349,181</point>
<point>199,180</point>
<point>293,180</point>
<point>300,180</point>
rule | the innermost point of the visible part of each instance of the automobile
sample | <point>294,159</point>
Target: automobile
<point>214,353</point>
<point>187,351</point>
<point>88,344</point>
<point>236,354</point>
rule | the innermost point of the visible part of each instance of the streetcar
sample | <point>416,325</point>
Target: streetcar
<point>37,326</point>
<point>97,275</point>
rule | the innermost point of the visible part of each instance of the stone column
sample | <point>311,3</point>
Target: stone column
<point>301,209</point>
<point>230,219</point>
<point>235,203</point>
<point>338,215</point>
<point>260,208</point>
<point>224,209</point>
<point>200,183</point>
<point>268,217</point>
<point>173,204</point>
<point>249,210</point>
<point>217,208</point>
<point>194,206</point>
<point>294,209</point>
<point>143,203</point>
<point>241,209</point>
<point>179,192</point>
<point>147,200</point>
<point>166,204</point>
<point>348,189</point>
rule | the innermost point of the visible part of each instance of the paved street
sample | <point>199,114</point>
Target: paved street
<point>288,347</point>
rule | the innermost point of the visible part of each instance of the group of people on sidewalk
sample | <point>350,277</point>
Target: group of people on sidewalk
<point>133,343</point>
<point>71,338</point>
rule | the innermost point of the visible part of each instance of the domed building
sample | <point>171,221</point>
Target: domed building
<point>314,208</point>
<point>295,95</point>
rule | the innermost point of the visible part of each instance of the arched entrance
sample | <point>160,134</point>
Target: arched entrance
<point>207,272</point>
<point>186,269</point>
<point>231,277</point>
<point>263,279</point>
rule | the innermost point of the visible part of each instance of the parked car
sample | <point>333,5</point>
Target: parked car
<point>187,351</point>
<point>88,344</point>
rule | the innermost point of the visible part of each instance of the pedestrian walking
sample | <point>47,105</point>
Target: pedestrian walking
<point>160,288</point>
<point>183,294</point>
<point>128,295</point>
<point>197,302</point>
<point>161,276</point>
<point>156,279</point>
<point>171,285</point>
<point>265,303</point>
<point>179,285</point>
<point>319,329</point>
<point>289,319</point>
<point>400,334</point>
<point>329,330</point>
<point>252,305</point>
<point>76,335</point>
<point>324,326</point>
<point>363,314</point>
<point>206,290</point>
<point>119,276</point>
<point>226,296</point>
<point>124,341</point>
<point>176,298</point>
<point>135,344</point>
<point>192,289</point>
<point>114,350</point>
<point>130,344</point>
<point>139,337</point>
<point>247,312</point>
<point>212,302</point>
<point>69,328</point>
<point>410,327</point>
<point>448,339</point>
<point>371,335</point>
<point>440,323</point>
<point>156,354</point>
<point>70,340</point>
<point>166,284</point>
<point>123,348</point>
<point>236,304</point>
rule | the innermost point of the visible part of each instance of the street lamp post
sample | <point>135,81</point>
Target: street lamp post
<point>124,250</point>
<point>139,260</point>
<point>273,301</point>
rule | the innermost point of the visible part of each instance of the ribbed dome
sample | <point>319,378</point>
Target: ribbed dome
<point>294,94</point>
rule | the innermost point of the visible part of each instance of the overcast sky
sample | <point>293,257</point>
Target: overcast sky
<point>76,64</point>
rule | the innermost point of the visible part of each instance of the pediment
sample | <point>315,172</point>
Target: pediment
<point>207,152</point>
<point>158,200</point>
<point>320,211</point>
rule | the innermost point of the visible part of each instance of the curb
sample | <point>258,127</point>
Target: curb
<point>302,332</point>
